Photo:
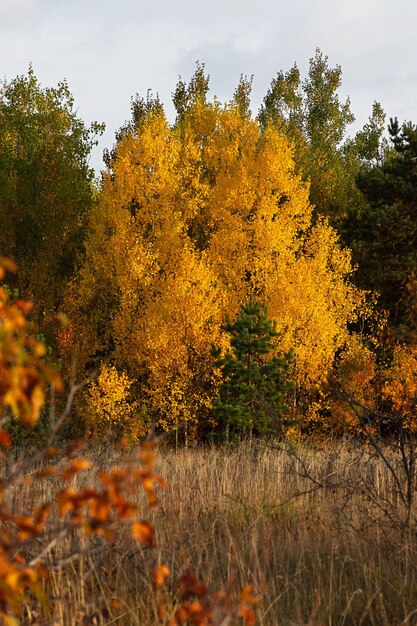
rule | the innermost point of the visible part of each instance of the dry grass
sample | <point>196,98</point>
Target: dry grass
<point>316,556</point>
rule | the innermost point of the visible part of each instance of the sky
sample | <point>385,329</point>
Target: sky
<point>109,50</point>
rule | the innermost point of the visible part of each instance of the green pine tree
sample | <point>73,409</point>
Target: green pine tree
<point>251,398</point>
<point>383,233</point>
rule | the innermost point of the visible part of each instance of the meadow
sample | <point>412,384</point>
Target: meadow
<point>312,528</point>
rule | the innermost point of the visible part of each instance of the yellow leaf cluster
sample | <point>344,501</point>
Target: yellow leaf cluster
<point>108,402</point>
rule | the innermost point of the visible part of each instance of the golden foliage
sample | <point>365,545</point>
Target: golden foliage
<point>357,375</point>
<point>108,402</point>
<point>191,222</point>
<point>400,387</point>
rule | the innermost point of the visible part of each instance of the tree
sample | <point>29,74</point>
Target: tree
<point>254,386</point>
<point>383,232</point>
<point>248,212</point>
<point>46,185</point>
<point>155,308</point>
<point>315,119</point>
<point>241,96</point>
<point>41,533</point>
<point>185,96</point>
<point>209,213</point>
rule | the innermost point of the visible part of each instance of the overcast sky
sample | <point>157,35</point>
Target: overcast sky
<point>108,50</point>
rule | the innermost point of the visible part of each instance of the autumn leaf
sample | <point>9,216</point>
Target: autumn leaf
<point>192,586</point>
<point>75,466</point>
<point>143,533</point>
<point>4,439</point>
<point>160,573</point>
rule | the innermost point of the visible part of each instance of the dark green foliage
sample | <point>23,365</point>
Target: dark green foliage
<point>252,395</point>
<point>383,233</point>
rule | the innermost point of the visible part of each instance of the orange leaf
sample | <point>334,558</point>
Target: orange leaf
<point>160,573</point>
<point>8,620</point>
<point>51,452</point>
<point>4,438</point>
<point>49,470</point>
<point>247,614</point>
<point>246,595</point>
<point>8,264</point>
<point>82,464</point>
<point>100,510</point>
<point>191,586</point>
<point>143,533</point>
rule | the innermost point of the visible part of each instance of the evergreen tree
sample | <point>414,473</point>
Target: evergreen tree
<point>383,233</point>
<point>252,395</point>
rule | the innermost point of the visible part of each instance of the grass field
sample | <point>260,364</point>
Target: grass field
<point>314,530</point>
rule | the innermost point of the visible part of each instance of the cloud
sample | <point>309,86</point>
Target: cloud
<point>12,11</point>
<point>110,50</point>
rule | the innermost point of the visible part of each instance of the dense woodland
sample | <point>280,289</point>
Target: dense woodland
<point>232,272</point>
<point>247,280</point>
